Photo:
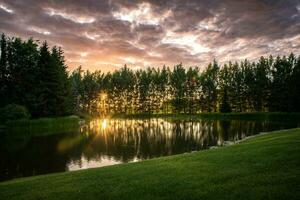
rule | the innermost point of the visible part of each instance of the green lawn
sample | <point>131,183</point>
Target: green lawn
<point>264,167</point>
<point>42,126</point>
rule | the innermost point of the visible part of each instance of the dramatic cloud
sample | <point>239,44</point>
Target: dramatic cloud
<point>107,34</point>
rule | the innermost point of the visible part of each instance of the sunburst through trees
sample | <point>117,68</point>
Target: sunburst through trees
<point>37,78</point>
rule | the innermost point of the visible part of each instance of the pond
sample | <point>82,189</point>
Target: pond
<point>104,142</point>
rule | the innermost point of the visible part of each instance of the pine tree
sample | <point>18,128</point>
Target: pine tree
<point>62,93</point>
<point>209,83</point>
<point>47,99</point>
<point>177,81</point>
<point>3,71</point>
<point>225,106</point>
<point>294,86</point>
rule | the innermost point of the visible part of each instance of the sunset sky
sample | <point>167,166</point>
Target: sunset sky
<point>106,34</point>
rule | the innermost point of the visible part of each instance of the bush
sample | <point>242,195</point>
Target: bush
<point>13,112</point>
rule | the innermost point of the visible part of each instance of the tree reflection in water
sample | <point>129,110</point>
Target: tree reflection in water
<point>110,141</point>
<point>118,141</point>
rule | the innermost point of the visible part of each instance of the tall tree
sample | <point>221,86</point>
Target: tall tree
<point>47,85</point>
<point>54,86</point>
<point>191,87</point>
<point>294,86</point>
<point>3,71</point>
<point>144,77</point>
<point>261,84</point>
<point>177,81</point>
<point>209,83</point>
<point>281,74</point>
<point>62,94</point>
<point>225,106</point>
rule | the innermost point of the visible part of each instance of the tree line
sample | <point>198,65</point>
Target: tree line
<point>36,77</point>
<point>270,84</point>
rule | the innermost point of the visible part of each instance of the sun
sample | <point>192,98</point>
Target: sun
<point>104,124</point>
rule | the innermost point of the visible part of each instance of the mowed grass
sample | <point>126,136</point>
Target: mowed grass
<point>42,126</point>
<point>264,167</point>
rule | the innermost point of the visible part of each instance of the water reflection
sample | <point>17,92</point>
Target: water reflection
<point>109,141</point>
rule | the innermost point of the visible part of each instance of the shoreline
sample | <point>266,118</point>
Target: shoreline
<point>215,116</point>
<point>268,164</point>
<point>226,144</point>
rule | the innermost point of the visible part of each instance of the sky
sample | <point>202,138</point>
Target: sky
<point>106,34</point>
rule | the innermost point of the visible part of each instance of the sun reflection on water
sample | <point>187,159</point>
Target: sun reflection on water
<point>103,124</point>
<point>107,141</point>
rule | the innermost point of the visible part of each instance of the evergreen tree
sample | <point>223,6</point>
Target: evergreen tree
<point>76,90</point>
<point>46,99</point>
<point>225,106</point>
<point>294,87</point>
<point>209,84</point>
<point>177,81</point>
<point>62,94</point>
<point>54,87</point>
<point>3,71</point>
<point>281,74</point>
<point>191,87</point>
<point>259,88</point>
<point>38,79</point>
<point>144,77</point>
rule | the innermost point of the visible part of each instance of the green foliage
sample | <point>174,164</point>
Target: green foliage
<point>209,86</point>
<point>266,85</point>
<point>37,78</point>
<point>13,112</point>
<point>225,106</point>
<point>34,77</point>
<point>43,126</point>
<point>177,81</point>
<point>3,71</point>
<point>294,87</point>
<point>284,88</point>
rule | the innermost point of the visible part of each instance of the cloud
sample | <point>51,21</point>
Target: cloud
<point>108,34</point>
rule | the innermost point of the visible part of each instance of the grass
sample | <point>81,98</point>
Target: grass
<point>217,116</point>
<point>42,126</point>
<point>264,167</point>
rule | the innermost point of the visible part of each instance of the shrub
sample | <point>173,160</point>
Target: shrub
<point>13,112</point>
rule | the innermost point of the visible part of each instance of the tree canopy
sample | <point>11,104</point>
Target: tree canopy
<point>36,77</point>
<point>266,85</point>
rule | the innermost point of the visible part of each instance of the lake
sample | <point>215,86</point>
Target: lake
<point>103,142</point>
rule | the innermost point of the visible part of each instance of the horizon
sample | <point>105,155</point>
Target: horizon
<point>88,84</point>
<point>107,35</point>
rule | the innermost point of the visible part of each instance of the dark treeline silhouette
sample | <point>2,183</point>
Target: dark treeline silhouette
<point>270,84</point>
<point>36,77</point>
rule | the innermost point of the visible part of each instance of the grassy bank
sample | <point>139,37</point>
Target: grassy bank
<point>264,167</point>
<point>217,116</point>
<point>43,126</point>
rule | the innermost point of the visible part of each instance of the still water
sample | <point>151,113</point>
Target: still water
<point>105,142</point>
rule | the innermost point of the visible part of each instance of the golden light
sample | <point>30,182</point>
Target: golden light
<point>103,96</point>
<point>187,41</point>
<point>104,124</point>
